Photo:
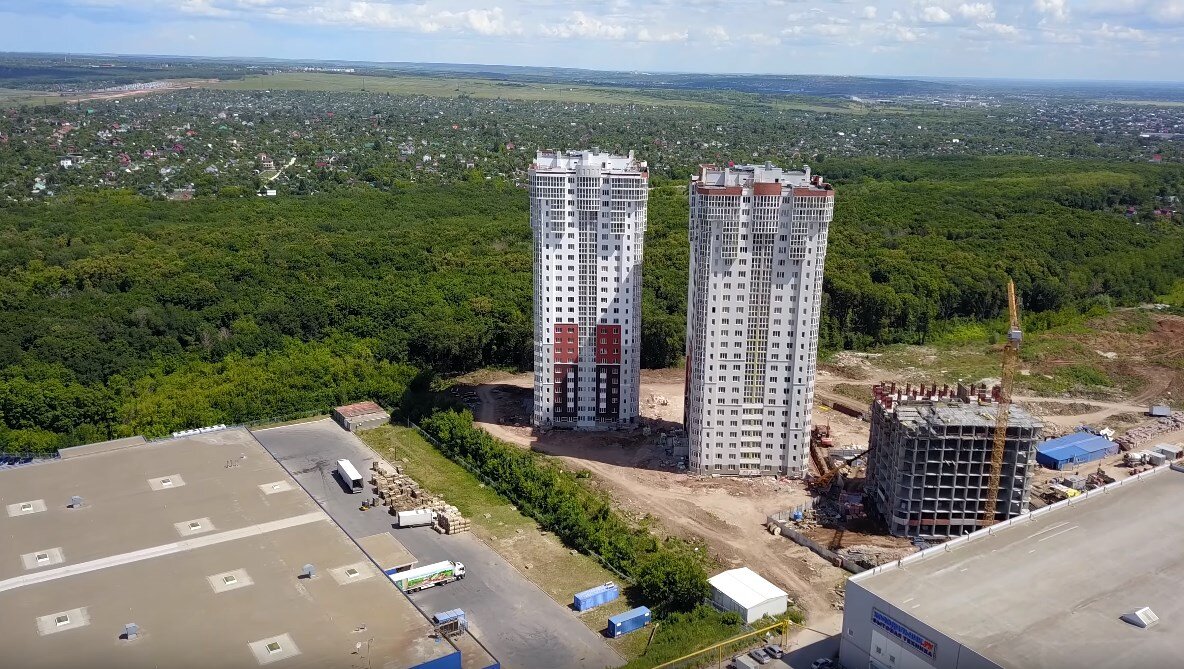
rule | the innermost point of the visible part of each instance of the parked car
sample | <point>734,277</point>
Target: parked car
<point>822,663</point>
<point>760,656</point>
<point>774,651</point>
<point>743,662</point>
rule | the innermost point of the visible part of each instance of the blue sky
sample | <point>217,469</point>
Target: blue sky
<point>1073,39</point>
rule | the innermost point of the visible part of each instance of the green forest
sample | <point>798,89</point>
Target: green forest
<point>125,315</point>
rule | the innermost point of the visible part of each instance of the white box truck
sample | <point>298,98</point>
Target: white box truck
<point>350,476</point>
<point>415,517</point>
<point>428,575</point>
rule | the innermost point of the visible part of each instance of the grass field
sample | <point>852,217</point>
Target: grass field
<point>512,90</point>
<point>538,554</point>
<point>450,87</point>
<point>1153,103</point>
<point>11,96</point>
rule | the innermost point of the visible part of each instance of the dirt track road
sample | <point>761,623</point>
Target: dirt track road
<point>727,514</point>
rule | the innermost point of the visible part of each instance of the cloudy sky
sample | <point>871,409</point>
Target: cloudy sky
<point>1073,39</point>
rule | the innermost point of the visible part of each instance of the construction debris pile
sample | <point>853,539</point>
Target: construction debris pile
<point>399,492</point>
<point>1138,435</point>
<point>1065,487</point>
<point>873,556</point>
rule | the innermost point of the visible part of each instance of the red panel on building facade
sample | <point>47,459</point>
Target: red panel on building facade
<point>608,344</point>
<point>766,188</point>
<point>567,343</point>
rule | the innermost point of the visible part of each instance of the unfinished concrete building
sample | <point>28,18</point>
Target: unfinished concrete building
<point>929,465</point>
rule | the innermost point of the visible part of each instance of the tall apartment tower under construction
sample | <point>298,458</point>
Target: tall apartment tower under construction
<point>588,215</point>
<point>758,247</point>
<point>929,463</point>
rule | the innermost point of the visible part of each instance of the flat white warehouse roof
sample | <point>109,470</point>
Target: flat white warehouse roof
<point>745,587</point>
<point>1049,589</point>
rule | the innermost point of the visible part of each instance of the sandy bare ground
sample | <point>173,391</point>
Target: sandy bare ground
<point>166,86</point>
<point>727,514</point>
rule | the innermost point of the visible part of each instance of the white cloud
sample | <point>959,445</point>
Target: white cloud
<point>381,15</point>
<point>1000,29</point>
<point>1061,37</point>
<point>716,34</point>
<point>646,35</point>
<point>925,35</point>
<point>1120,33</point>
<point>978,11</point>
<point>828,29</point>
<point>761,39</point>
<point>904,34</point>
<point>583,25</point>
<point>1169,12</point>
<point>1056,9</point>
<point>935,14</point>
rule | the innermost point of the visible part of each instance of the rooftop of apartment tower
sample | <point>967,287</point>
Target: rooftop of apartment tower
<point>746,175</point>
<point>550,159</point>
<point>971,406</point>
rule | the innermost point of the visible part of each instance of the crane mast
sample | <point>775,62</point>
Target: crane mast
<point>1011,354</point>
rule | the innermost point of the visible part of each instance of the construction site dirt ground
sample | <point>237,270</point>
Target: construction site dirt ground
<point>726,514</point>
<point>1139,351</point>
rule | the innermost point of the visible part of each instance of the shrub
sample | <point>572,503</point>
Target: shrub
<point>668,575</point>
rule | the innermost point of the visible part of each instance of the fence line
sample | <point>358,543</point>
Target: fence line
<point>525,507</point>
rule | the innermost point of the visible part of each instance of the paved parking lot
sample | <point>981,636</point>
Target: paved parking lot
<point>517,622</point>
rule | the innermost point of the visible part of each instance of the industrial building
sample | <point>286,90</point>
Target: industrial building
<point>929,459</point>
<point>195,551</point>
<point>1093,581</point>
<point>588,215</point>
<point>758,246</point>
<point>361,416</point>
<point>1074,449</point>
<point>745,592</point>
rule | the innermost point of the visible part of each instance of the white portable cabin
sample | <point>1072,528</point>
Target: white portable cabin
<point>747,593</point>
<point>350,475</point>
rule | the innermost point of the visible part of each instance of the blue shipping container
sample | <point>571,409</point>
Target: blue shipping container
<point>629,621</point>
<point>601,594</point>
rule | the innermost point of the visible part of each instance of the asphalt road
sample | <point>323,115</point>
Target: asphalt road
<point>522,626</point>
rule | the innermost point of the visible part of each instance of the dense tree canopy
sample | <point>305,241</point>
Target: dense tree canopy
<point>124,314</point>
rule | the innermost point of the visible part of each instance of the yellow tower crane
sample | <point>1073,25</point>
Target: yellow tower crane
<point>1011,356</point>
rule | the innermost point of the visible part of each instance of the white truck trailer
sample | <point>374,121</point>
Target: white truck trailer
<point>350,476</point>
<point>415,517</point>
<point>427,576</point>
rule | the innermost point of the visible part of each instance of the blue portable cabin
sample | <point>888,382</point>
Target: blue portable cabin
<point>448,616</point>
<point>593,597</point>
<point>629,621</point>
<point>1074,449</point>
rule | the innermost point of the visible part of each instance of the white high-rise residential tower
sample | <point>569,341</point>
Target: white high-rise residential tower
<point>588,214</point>
<point>758,246</point>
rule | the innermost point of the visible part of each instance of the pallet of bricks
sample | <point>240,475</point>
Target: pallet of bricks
<point>401,493</point>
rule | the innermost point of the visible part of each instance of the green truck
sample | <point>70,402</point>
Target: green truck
<point>419,578</point>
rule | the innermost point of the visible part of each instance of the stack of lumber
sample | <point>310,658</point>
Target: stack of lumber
<point>401,493</point>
